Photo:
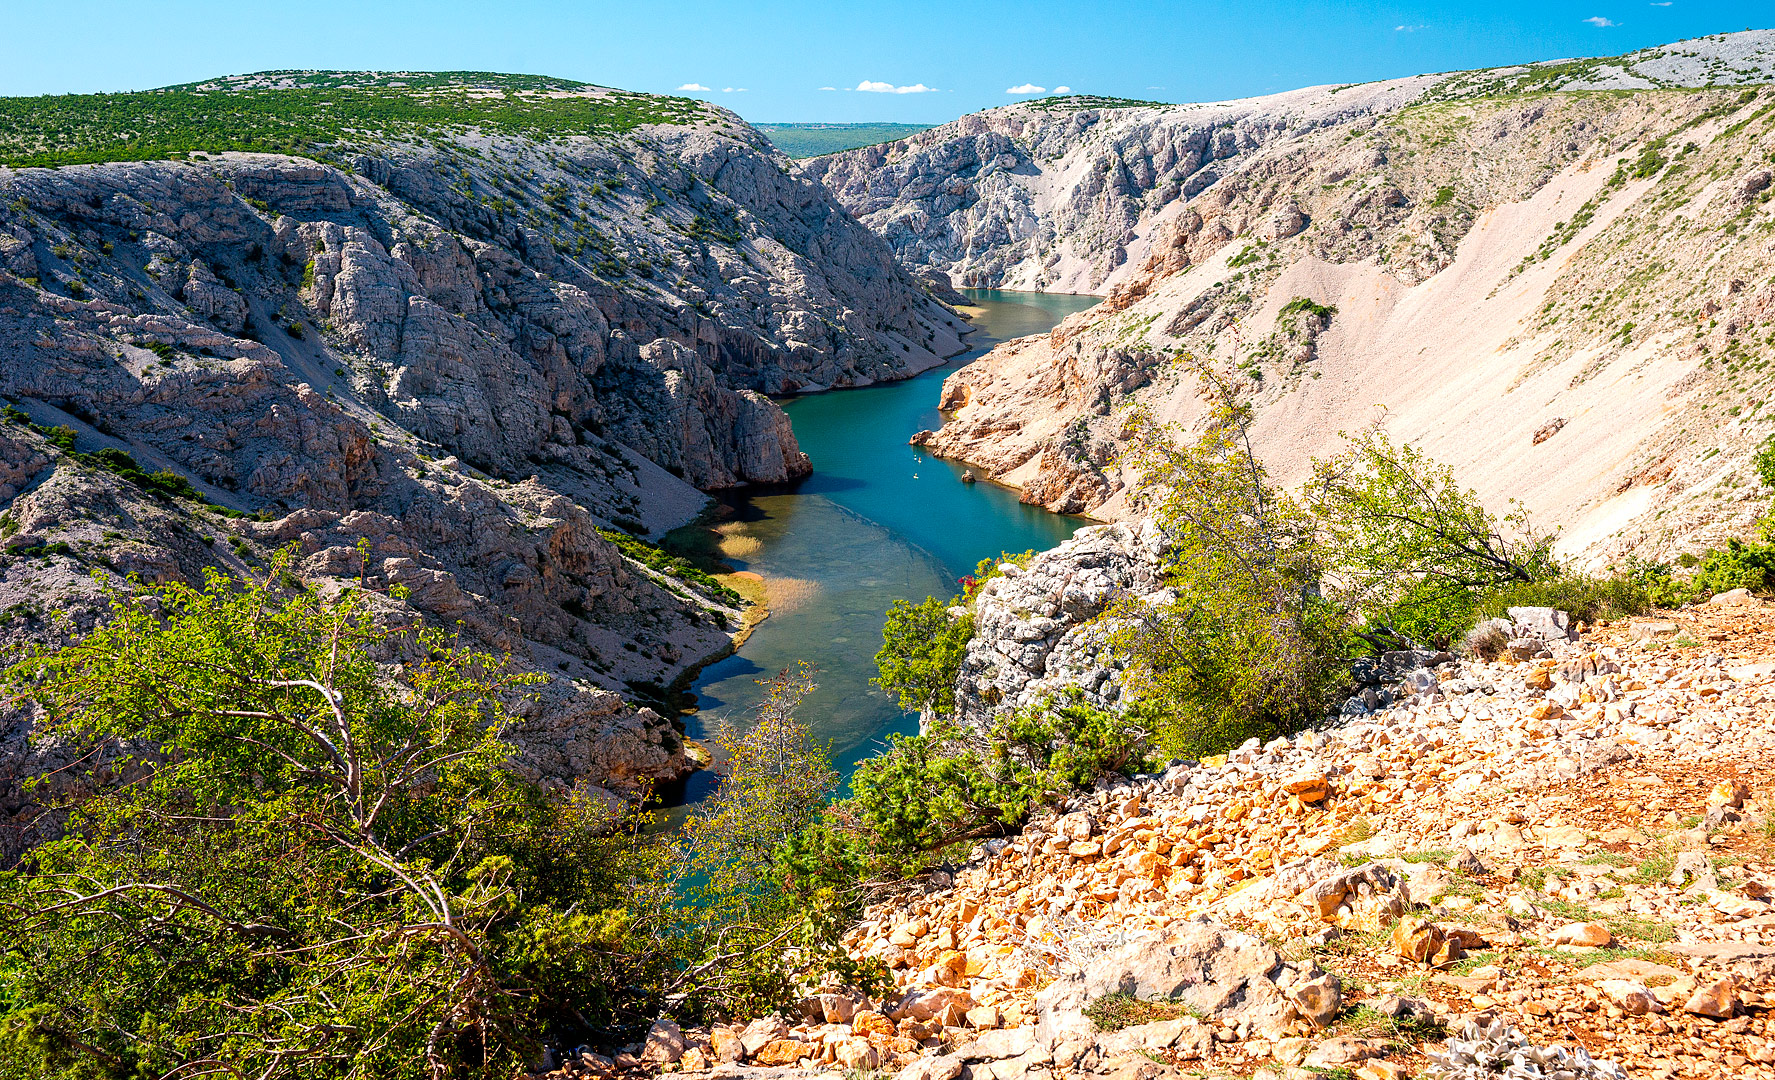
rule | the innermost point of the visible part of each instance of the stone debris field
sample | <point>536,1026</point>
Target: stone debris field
<point>1559,863</point>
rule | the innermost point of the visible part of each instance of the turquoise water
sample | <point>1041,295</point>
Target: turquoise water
<point>878,521</point>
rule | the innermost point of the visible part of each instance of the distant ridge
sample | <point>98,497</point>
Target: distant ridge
<point>812,140</point>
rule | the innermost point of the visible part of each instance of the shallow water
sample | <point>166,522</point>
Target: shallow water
<point>878,521</point>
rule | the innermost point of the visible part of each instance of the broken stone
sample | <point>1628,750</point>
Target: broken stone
<point>1633,997</point>
<point>1731,793</point>
<point>1308,785</point>
<point>1718,999</point>
<point>1318,1000</point>
<point>941,1067</point>
<point>1587,934</point>
<point>857,1054</point>
<point>664,1044</point>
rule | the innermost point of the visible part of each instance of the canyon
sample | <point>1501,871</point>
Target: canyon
<point>1553,278</point>
<point>453,367</point>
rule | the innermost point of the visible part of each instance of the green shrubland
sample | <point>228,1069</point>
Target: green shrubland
<point>298,851</point>
<point>323,111</point>
<point>1272,593</point>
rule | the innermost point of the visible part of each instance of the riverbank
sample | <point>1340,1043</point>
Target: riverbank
<point>878,521</point>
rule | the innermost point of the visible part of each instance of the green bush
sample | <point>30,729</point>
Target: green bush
<point>952,784</point>
<point>1248,646</point>
<point>1587,598</point>
<point>1412,553</point>
<point>658,559</point>
<point>922,649</point>
<point>317,871</point>
<point>1738,565</point>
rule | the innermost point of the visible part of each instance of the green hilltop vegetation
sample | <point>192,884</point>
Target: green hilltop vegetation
<point>1076,102</point>
<point>307,112</point>
<point>812,140</point>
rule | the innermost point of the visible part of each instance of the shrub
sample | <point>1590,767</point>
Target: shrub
<point>922,649</point>
<point>322,866</point>
<point>952,784</point>
<point>295,810</point>
<point>1247,647</point>
<point>1590,599</point>
<point>1409,549</point>
<point>747,937</point>
<point>658,559</point>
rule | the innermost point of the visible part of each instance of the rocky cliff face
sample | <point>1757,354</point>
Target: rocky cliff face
<point>1037,632</point>
<point>443,361</point>
<point>1561,293</point>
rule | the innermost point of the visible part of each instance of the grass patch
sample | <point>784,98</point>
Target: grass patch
<point>1634,927</point>
<point>662,561</point>
<point>1113,1012</point>
<point>1473,960</point>
<point>1404,1033</point>
<point>1359,829</point>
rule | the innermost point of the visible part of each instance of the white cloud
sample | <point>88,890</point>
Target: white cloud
<point>1404,29</point>
<point>1063,89</point>
<point>1660,3</point>
<point>733,89</point>
<point>1599,21</point>
<point>1027,88</point>
<point>693,88</point>
<point>870,86</point>
<point>828,88</point>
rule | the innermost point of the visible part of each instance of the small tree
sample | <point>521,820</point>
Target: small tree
<point>1408,547</point>
<point>922,650</point>
<point>952,784</point>
<point>744,938</point>
<point>1246,647</point>
<point>313,873</point>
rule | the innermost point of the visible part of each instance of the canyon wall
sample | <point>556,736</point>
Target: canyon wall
<point>1556,278</point>
<point>440,365</point>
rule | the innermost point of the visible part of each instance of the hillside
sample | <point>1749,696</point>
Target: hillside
<point>1555,277</point>
<point>1572,848</point>
<point>451,339</point>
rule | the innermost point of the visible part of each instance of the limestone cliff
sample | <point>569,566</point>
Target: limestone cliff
<point>1552,277</point>
<point>437,357</point>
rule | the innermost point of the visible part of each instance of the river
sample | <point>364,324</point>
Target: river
<point>878,521</point>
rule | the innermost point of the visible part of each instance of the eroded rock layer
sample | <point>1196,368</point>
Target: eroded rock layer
<point>1560,293</point>
<point>438,365</point>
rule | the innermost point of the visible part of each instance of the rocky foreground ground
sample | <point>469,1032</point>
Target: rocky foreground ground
<point>1559,861</point>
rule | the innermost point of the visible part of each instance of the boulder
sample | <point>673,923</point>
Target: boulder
<point>782,1052</point>
<point>1364,897</point>
<point>725,1043</point>
<point>941,1067</point>
<point>761,1032</point>
<point>1423,942</point>
<point>1212,970</point>
<point>1318,1000</point>
<point>857,1054</point>
<point>928,1004</point>
<point>994,1045</point>
<point>664,1044</point>
<point>1631,995</point>
<point>868,1022</point>
<point>1309,785</point>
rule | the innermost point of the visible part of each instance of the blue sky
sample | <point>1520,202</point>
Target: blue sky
<point>780,60</point>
